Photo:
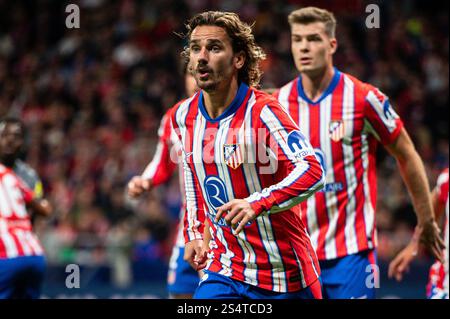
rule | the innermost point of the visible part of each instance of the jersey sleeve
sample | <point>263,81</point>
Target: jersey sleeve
<point>194,216</point>
<point>442,187</point>
<point>300,172</point>
<point>162,167</point>
<point>378,112</point>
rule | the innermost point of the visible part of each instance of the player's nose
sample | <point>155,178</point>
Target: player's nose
<point>203,55</point>
<point>304,46</point>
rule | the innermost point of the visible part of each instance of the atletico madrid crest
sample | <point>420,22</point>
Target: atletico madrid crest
<point>336,130</point>
<point>232,154</point>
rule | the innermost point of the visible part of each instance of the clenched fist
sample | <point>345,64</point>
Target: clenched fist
<point>137,186</point>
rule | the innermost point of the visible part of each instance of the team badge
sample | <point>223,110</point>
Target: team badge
<point>232,154</point>
<point>336,130</point>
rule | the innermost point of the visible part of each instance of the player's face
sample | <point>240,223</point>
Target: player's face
<point>211,58</point>
<point>311,47</point>
<point>11,139</point>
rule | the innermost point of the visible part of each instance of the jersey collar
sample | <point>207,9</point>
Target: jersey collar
<point>232,108</point>
<point>329,90</point>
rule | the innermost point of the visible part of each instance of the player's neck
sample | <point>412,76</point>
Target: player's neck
<point>315,85</point>
<point>217,101</point>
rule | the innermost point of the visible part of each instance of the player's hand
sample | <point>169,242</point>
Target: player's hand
<point>238,214</point>
<point>137,186</point>
<point>401,262</point>
<point>196,254</point>
<point>429,237</point>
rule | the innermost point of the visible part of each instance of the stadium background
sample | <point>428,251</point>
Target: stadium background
<point>92,99</point>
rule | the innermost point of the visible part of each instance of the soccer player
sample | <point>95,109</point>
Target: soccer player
<point>22,169</point>
<point>437,287</point>
<point>345,119</point>
<point>260,248</point>
<point>182,279</point>
<point>22,262</point>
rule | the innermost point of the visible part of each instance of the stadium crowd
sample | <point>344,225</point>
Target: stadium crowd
<point>92,98</point>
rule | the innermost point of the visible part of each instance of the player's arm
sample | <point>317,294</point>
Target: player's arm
<point>194,220</point>
<point>38,205</point>
<point>413,173</point>
<point>384,123</point>
<point>295,157</point>
<point>400,264</point>
<point>161,168</point>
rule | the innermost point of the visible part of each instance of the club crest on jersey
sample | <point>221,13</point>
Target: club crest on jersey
<point>336,130</point>
<point>232,154</point>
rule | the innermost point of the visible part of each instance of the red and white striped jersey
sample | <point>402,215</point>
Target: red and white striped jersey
<point>439,271</point>
<point>16,234</point>
<point>162,167</point>
<point>252,151</point>
<point>164,163</point>
<point>344,126</point>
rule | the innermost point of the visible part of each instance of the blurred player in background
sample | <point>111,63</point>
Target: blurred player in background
<point>182,279</point>
<point>260,247</point>
<point>22,169</point>
<point>345,119</point>
<point>437,287</point>
<point>22,261</point>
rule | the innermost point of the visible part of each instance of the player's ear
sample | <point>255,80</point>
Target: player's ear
<point>333,45</point>
<point>239,60</point>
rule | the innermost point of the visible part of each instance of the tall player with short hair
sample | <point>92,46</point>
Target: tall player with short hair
<point>345,119</point>
<point>22,262</point>
<point>437,287</point>
<point>260,246</point>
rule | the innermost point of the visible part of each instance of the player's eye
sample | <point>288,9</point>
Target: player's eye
<point>195,48</point>
<point>315,39</point>
<point>215,48</point>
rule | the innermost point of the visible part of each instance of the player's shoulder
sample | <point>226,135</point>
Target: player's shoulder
<point>267,105</point>
<point>362,87</point>
<point>263,99</point>
<point>27,174</point>
<point>25,170</point>
<point>6,171</point>
<point>182,105</point>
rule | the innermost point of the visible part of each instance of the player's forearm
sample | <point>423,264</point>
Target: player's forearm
<point>161,168</point>
<point>286,194</point>
<point>413,174</point>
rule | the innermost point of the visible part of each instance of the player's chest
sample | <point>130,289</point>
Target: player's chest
<point>216,146</point>
<point>330,123</point>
